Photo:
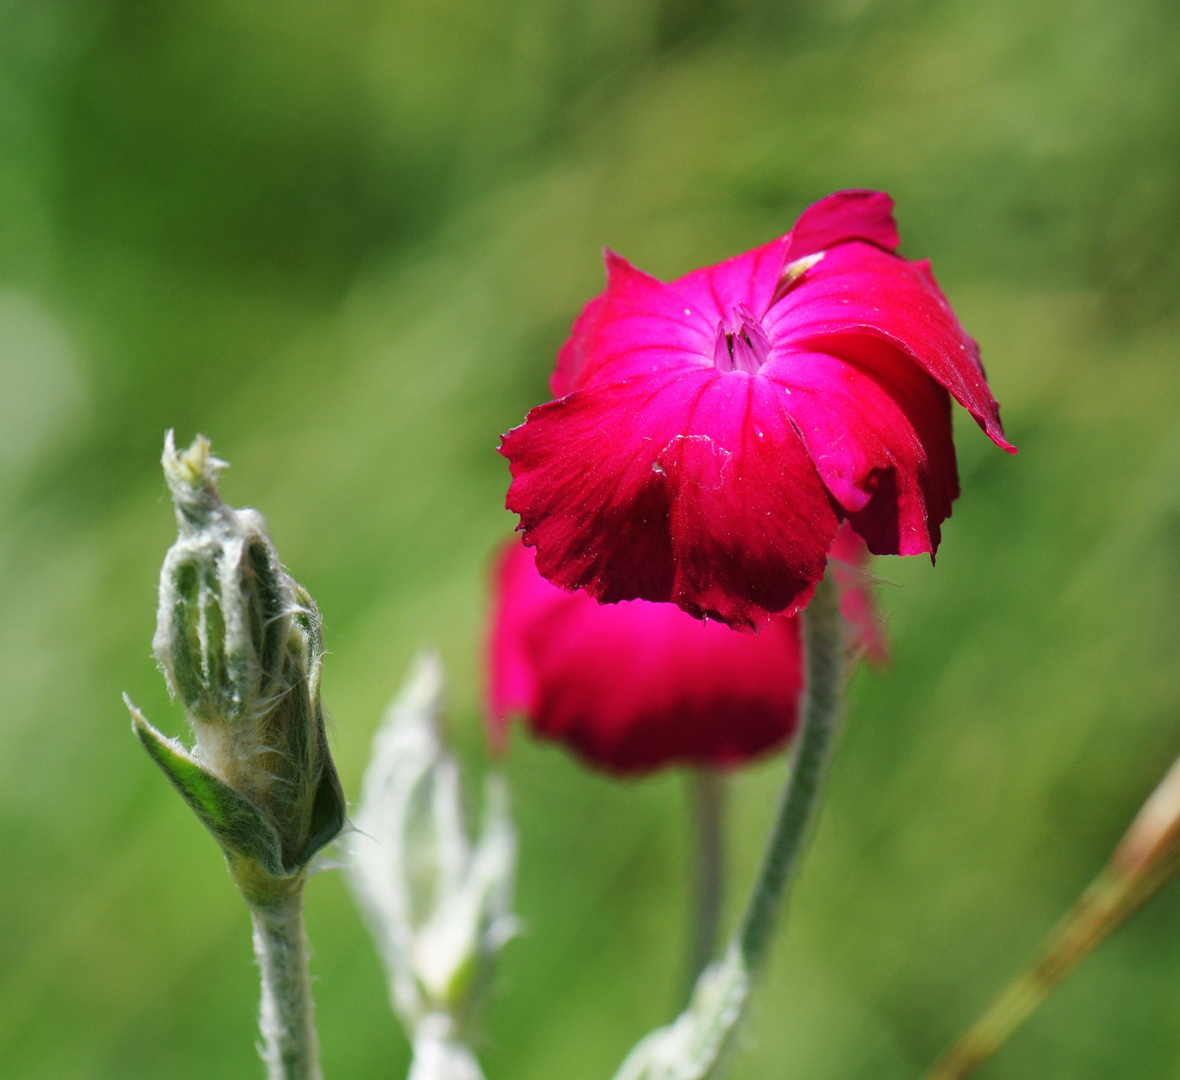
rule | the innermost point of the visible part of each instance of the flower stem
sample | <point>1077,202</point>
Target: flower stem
<point>824,637</point>
<point>708,808</point>
<point>690,1047</point>
<point>1146,857</point>
<point>290,1048</point>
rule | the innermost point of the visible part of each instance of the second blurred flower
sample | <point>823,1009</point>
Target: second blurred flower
<point>634,686</point>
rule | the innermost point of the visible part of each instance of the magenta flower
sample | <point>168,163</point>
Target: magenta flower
<point>633,686</point>
<point>710,434</point>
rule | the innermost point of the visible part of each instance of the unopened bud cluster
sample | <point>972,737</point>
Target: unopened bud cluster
<point>240,645</point>
<point>439,905</point>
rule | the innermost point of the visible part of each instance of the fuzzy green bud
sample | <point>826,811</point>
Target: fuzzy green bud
<point>240,645</point>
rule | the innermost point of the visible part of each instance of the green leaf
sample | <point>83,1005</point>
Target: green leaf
<point>235,822</point>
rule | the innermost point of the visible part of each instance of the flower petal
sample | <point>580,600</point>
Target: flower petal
<point>585,486</point>
<point>690,487</point>
<point>751,524</point>
<point>879,433</point>
<point>748,280</point>
<point>858,290</point>
<point>843,216</point>
<point>522,597</point>
<point>635,325</point>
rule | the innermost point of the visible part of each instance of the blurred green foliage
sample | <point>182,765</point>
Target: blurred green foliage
<point>344,238</point>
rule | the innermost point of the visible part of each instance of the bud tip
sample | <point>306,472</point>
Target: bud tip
<point>192,478</point>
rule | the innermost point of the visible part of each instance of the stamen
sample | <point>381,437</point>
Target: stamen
<point>741,343</point>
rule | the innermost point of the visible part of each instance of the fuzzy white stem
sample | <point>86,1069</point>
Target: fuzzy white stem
<point>289,1045</point>
<point>823,631</point>
<point>439,1053</point>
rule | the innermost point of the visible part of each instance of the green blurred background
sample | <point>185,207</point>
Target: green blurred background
<point>344,238</point>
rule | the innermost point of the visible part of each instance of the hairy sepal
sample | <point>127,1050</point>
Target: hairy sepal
<point>236,824</point>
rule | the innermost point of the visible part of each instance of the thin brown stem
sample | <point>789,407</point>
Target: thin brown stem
<point>1147,856</point>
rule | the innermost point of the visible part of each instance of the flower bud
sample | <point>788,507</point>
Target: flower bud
<point>439,906</point>
<point>240,644</point>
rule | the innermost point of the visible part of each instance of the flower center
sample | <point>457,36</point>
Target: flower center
<point>741,343</point>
